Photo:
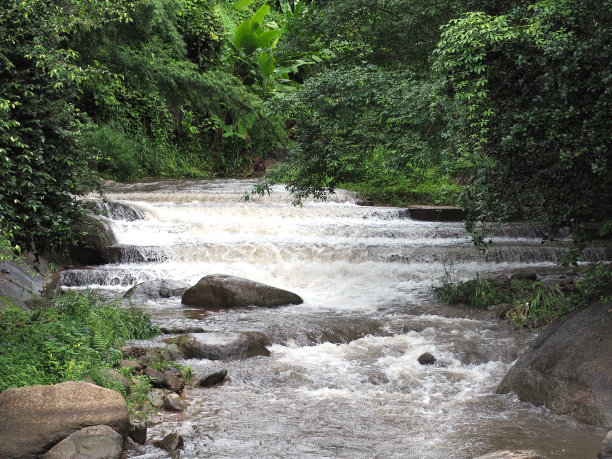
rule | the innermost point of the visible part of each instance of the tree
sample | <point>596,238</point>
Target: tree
<point>533,102</point>
<point>42,165</point>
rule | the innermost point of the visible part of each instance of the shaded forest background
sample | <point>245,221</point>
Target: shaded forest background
<point>503,107</point>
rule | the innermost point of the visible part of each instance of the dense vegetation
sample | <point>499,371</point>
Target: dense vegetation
<point>75,337</point>
<point>503,105</point>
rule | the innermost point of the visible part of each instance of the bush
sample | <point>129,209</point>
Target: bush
<point>72,338</point>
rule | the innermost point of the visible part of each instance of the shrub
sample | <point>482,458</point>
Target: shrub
<point>72,338</point>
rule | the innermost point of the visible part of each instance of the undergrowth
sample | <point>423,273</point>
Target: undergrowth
<point>533,303</point>
<point>74,337</point>
<point>395,189</point>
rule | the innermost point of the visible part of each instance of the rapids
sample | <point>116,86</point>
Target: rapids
<point>343,379</point>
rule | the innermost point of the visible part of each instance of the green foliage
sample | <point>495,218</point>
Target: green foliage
<point>178,110</point>
<point>532,104</point>
<point>365,125</point>
<point>534,303</point>
<point>478,293</point>
<point>137,400</point>
<point>42,163</point>
<point>71,339</point>
<point>369,113</point>
<point>595,286</point>
<point>7,250</point>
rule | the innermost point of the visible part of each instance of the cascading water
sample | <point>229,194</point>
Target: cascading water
<point>343,379</point>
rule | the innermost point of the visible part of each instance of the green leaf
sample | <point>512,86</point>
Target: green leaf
<point>260,14</point>
<point>266,38</point>
<point>241,5</point>
<point>266,63</point>
<point>244,38</point>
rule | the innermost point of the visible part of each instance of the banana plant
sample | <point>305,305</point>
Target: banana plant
<point>254,41</point>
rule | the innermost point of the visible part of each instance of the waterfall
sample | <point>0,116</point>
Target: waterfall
<point>343,379</point>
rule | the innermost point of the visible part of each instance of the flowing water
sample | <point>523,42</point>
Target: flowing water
<point>343,379</point>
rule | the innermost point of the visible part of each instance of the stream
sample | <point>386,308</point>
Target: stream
<point>343,380</point>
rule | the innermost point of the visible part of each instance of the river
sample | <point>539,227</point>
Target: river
<point>343,378</point>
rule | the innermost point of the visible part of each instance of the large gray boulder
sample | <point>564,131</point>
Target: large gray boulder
<point>568,367</point>
<point>224,291</point>
<point>95,442</point>
<point>222,346</point>
<point>34,418</point>
<point>152,290</point>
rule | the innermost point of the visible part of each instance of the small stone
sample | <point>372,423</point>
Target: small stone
<point>156,397</point>
<point>605,450</point>
<point>427,359</point>
<point>158,379</point>
<point>502,309</point>
<point>132,446</point>
<point>211,379</point>
<point>133,364</point>
<point>173,382</point>
<point>171,442</point>
<point>173,402</point>
<point>524,275</point>
<point>539,322</point>
<point>138,432</point>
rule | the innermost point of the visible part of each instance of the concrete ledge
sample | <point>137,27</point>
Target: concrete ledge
<point>433,213</point>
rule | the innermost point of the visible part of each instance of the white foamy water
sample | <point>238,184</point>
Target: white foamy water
<point>343,378</point>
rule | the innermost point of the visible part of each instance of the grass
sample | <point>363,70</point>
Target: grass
<point>432,188</point>
<point>74,337</point>
<point>533,303</point>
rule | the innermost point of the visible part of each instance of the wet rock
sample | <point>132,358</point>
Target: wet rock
<point>223,291</point>
<point>173,382</point>
<point>567,367</point>
<point>149,354</point>
<point>24,280</point>
<point>222,346</point>
<point>435,213</point>
<point>173,402</point>
<point>502,309</point>
<point>135,365</point>
<point>158,379</point>
<point>605,450</point>
<point>94,249</point>
<point>514,454</point>
<point>133,447</point>
<point>539,322</point>
<point>138,432</point>
<point>181,329</point>
<point>500,281</point>
<point>96,442</point>
<point>156,397</point>
<point>152,290</point>
<point>212,379</point>
<point>484,315</point>
<point>171,442</point>
<point>34,418</point>
<point>427,359</point>
<point>524,275</point>
<point>117,211</point>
